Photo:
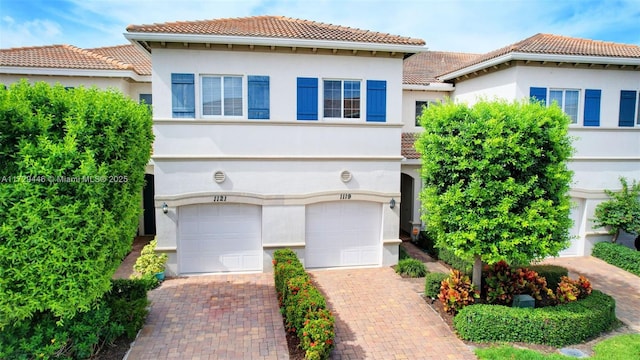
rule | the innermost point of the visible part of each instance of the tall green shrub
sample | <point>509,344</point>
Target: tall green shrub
<point>496,180</point>
<point>72,170</point>
<point>621,211</point>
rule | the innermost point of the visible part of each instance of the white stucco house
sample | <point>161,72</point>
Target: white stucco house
<point>124,68</point>
<point>273,132</point>
<point>596,83</point>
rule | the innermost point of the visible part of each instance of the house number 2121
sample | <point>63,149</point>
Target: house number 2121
<point>345,196</point>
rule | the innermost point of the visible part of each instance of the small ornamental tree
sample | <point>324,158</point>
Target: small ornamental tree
<point>496,180</point>
<point>622,211</point>
<point>72,165</point>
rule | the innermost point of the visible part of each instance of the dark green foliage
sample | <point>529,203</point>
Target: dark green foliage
<point>553,273</point>
<point>432,284</point>
<point>502,282</point>
<point>303,306</point>
<point>561,325</point>
<point>403,254</point>
<point>618,255</point>
<point>496,180</point>
<point>72,170</point>
<point>411,268</point>
<point>120,312</point>
<point>427,243</point>
<point>454,261</point>
<point>622,211</point>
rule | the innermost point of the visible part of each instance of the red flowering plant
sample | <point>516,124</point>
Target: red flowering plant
<point>318,335</point>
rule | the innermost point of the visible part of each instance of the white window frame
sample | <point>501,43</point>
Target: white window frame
<point>243,82</point>
<point>361,114</point>
<point>579,105</point>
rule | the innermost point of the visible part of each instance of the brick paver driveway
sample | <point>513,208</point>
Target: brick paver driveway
<point>380,316</point>
<point>213,317</point>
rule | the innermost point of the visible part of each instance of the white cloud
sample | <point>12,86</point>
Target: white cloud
<point>33,32</point>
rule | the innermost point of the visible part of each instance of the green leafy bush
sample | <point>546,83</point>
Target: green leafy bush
<point>622,211</point>
<point>552,273</point>
<point>618,255</point>
<point>454,261</point>
<point>457,292</point>
<point>120,312</point>
<point>427,243</point>
<point>73,164</point>
<point>433,283</point>
<point>560,325</point>
<point>149,262</point>
<point>411,267</point>
<point>303,306</point>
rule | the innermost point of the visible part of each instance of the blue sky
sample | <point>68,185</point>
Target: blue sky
<point>450,25</point>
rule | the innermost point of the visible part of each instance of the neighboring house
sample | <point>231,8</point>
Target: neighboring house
<point>596,83</point>
<point>273,132</point>
<point>124,68</point>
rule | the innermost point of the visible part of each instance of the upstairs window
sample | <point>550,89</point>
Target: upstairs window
<point>567,100</point>
<point>222,96</point>
<point>342,99</point>
<point>420,104</point>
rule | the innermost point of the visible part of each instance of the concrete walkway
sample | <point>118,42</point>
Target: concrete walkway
<point>380,316</point>
<point>621,285</point>
<point>213,317</point>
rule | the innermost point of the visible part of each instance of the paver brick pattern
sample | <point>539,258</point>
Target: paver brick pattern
<point>213,317</point>
<point>379,316</point>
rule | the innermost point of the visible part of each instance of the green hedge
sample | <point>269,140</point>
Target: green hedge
<point>432,284</point>
<point>560,325</point>
<point>120,312</point>
<point>466,267</point>
<point>303,306</point>
<point>72,166</point>
<point>552,273</point>
<point>618,255</point>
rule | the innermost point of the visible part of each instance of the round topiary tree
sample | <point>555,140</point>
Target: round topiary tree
<point>496,180</point>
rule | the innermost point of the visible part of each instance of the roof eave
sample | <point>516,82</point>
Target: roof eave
<point>583,59</point>
<point>137,37</point>
<point>23,70</point>
<point>435,86</point>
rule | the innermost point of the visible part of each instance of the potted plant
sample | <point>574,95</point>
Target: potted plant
<point>151,263</point>
<point>621,211</point>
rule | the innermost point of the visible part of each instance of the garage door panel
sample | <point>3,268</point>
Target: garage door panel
<point>215,238</point>
<point>343,234</point>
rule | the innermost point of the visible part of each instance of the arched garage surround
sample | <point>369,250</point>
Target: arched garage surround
<point>231,232</point>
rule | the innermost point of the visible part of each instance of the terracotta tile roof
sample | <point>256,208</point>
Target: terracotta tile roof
<point>423,68</point>
<point>560,45</point>
<point>408,149</point>
<point>130,54</point>
<point>124,57</point>
<point>274,27</point>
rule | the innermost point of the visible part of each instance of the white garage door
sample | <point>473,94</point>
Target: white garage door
<point>343,234</point>
<point>216,238</point>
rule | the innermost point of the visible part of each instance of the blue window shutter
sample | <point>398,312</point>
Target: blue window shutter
<point>538,94</point>
<point>592,107</point>
<point>258,97</point>
<point>627,107</point>
<point>307,99</point>
<point>376,100</point>
<point>183,104</point>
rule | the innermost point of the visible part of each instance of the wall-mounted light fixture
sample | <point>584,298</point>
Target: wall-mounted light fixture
<point>165,207</point>
<point>392,203</point>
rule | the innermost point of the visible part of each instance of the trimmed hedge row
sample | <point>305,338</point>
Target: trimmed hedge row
<point>560,325</point>
<point>618,255</point>
<point>120,312</point>
<point>303,306</point>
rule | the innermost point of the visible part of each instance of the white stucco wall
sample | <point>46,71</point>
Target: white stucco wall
<point>282,164</point>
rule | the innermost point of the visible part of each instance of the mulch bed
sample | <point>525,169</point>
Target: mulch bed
<point>295,351</point>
